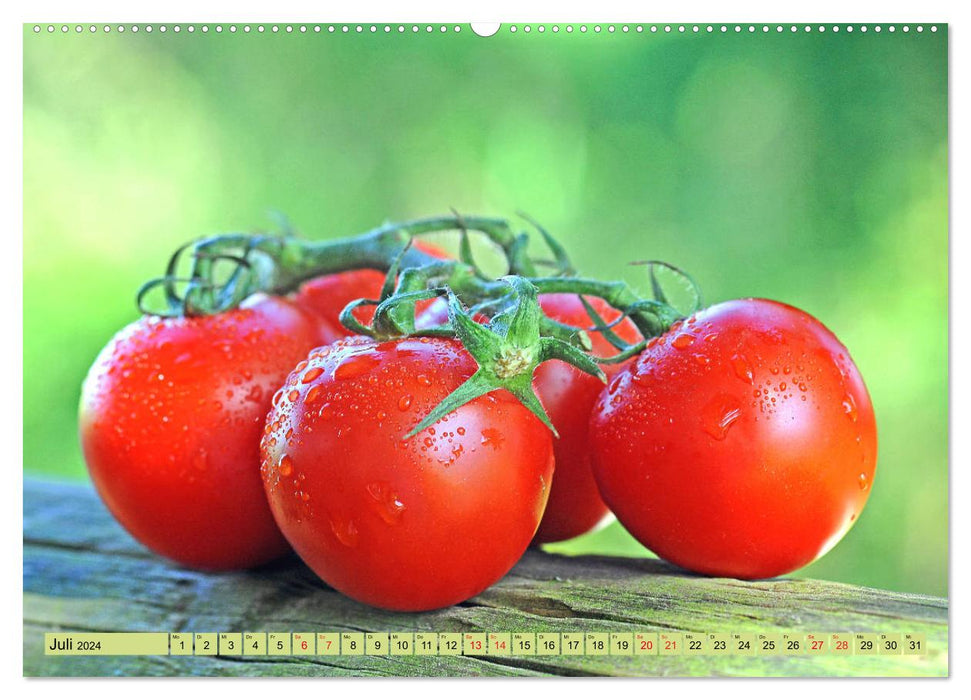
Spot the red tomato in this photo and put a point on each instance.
(741, 443)
(171, 417)
(568, 395)
(405, 524)
(326, 296)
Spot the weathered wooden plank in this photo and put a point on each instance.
(83, 573)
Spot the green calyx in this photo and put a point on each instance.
(507, 350)
(498, 321)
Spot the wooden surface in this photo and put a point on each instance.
(83, 573)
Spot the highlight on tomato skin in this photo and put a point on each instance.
(170, 420)
(403, 524)
(741, 443)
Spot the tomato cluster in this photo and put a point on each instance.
(740, 441)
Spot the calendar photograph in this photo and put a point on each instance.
(485, 350)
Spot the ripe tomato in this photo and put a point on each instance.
(327, 295)
(741, 443)
(170, 421)
(568, 395)
(405, 524)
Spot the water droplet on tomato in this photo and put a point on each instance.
(491, 437)
(286, 466)
(386, 502)
(849, 407)
(742, 369)
(460, 430)
(345, 531)
(293, 395)
(864, 482)
(312, 373)
(314, 394)
(682, 341)
(719, 415)
(423, 380)
(404, 403)
(356, 366)
(782, 386)
(301, 366)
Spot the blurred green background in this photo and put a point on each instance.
(810, 168)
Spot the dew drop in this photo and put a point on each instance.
(682, 341)
(404, 403)
(491, 437)
(719, 415)
(386, 503)
(423, 380)
(311, 374)
(742, 369)
(460, 430)
(286, 466)
(314, 394)
(293, 395)
(356, 366)
(345, 531)
(849, 407)
(864, 482)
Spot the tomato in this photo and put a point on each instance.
(404, 524)
(170, 423)
(742, 443)
(568, 395)
(326, 296)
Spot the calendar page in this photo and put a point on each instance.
(514, 349)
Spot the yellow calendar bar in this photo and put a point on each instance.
(106, 644)
(585, 643)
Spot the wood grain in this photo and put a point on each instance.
(83, 573)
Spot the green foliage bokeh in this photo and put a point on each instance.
(809, 168)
